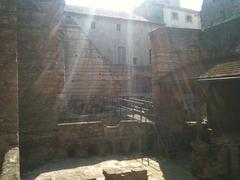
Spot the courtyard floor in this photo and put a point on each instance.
(85, 169)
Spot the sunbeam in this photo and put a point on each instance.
(127, 5)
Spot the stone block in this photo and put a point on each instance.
(10, 168)
(125, 173)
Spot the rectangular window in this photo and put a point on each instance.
(121, 55)
(93, 25)
(175, 16)
(135, 61)
(150, 56)
(189, 19)
(118, 27)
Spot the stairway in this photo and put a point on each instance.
(166, 140)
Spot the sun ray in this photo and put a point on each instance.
(127, 5)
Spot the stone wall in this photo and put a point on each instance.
(10, 168)
(8, 90)
(176, 55)
(222, 42)
(141, 80)
(172, 49)
(97, 138)
(216, 12)
(41, 78)
(223, 111)
(88, 79)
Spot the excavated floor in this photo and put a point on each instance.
(86, 169)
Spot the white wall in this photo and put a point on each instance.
(134, 35)
(181, 22)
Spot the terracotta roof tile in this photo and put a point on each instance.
(228, 69)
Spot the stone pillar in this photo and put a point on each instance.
(41, 78)
(8, 90)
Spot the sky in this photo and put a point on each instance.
(127, 5)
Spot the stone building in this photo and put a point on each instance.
(153, 9)
(169, 13)
(89, 79)
(181, 17)
(93, 71)
(125, 35)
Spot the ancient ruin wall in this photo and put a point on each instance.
(172, 49)
(40, 75)
(88, 79)
(96, 138)
(175, 53)
(8, 92)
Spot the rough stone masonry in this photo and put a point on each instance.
(8, 91)
(40, 78)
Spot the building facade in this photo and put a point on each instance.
(181, 17)
(169, 13)
(120, 38)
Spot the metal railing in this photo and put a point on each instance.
(135, 108)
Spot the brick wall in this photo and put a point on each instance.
(88, 79)
(41, 75)
(172, 49)
(8, 88)
(176, 53)
(126, 137)
(141, 80)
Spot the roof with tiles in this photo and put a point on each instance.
(104, 13)
(224, 70)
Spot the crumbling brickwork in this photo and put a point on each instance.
(88, 79)
(96, 138)
(40, 75)
(176, 53)
(8, 89)
(172, 49)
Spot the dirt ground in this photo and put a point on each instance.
(85, 169)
